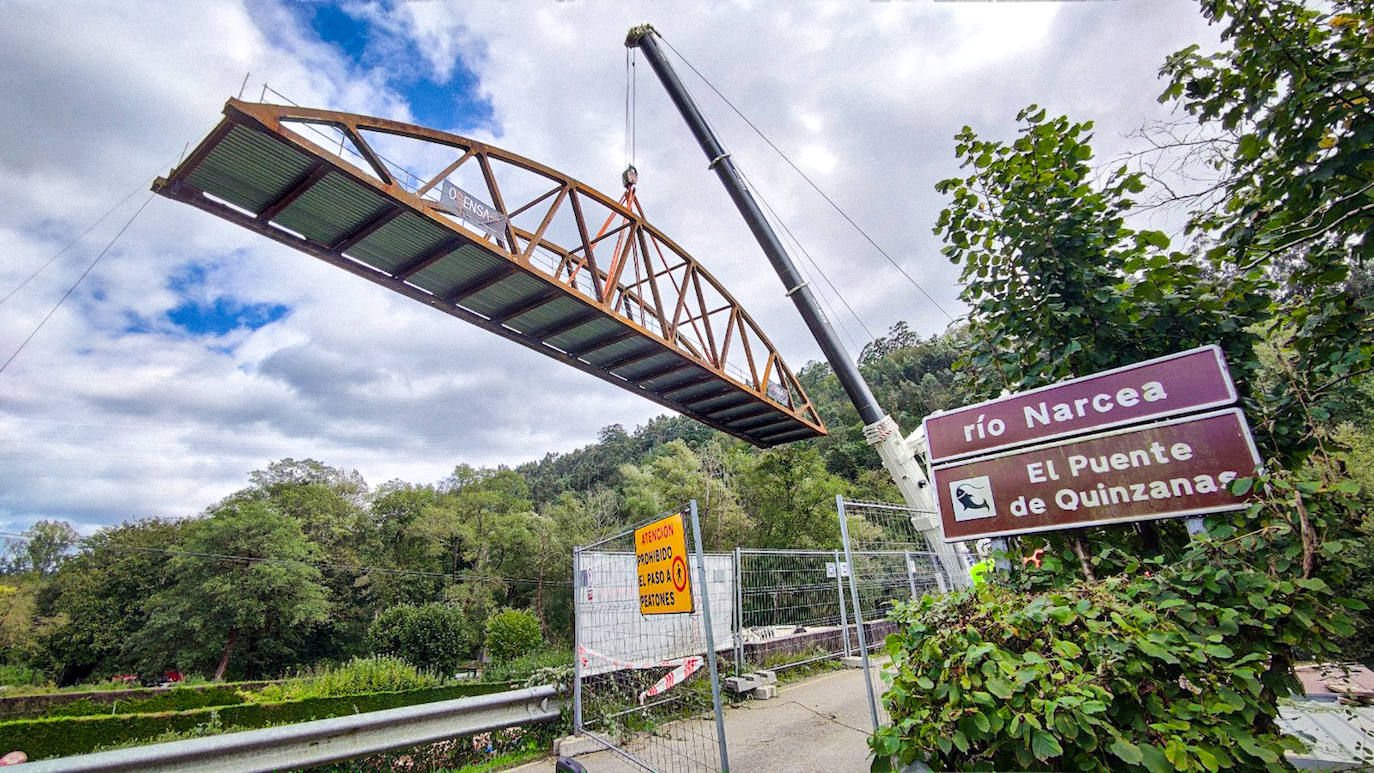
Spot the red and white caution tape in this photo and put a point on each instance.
(677, 676)
(682, 669)
(587, 653)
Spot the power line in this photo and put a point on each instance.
(72, 244)
(809, 181)
(78, 281)
(777, 218)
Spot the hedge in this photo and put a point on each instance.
(64, 736)
(178, 698)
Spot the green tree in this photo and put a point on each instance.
(911, 377)
(676, 475)
(242, 574)
(478, 533)
(429, 636)
(394, 509)
(510, 634)
(327, 502)
(1060, 286)
(790, 498)
(1290, 98)
(99, 599)
(19, 623)
(572, 519)
(329, 505)
(1057, 284)
(45, 545)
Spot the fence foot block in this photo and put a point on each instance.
(575, 745)
(853, 661)
(765, 692)
(766, 677)
(741, 684)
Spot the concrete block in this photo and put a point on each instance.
(765, 677)
(853, 661)
(741, 684)
(765, 692)
(573, 745)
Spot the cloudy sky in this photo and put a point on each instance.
(194, 352)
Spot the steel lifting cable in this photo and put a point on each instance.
(800, 248)
(629, 98)
(782, 225)
(634, 105)
(78, 281)
(809, 181)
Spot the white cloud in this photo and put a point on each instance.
(103, 424)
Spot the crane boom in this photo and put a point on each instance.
(880, 430)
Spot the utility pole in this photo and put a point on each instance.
(880, 430)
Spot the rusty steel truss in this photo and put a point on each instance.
(505, 243)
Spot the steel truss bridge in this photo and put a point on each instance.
(505, 243)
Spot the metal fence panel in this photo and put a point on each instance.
(647, 686)
(791, 608)
(890, 561)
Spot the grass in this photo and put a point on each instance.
(781, 663)
(499, 762)
(547, 665)
(497, 750)
(22, 676)
(379, 673)
(47, 687)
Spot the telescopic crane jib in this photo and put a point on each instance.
(880, 430)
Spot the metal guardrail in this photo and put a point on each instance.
(323, 740)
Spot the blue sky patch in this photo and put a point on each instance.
(224, 315)
(454, 104)
(198, 315)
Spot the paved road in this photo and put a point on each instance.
(818, 724)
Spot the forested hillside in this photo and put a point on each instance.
(295, 568)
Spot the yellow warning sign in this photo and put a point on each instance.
(661, 557)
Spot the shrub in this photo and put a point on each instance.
(1173, 669)
(178, 699)
(21, 676)
(61, 736)
(512, 633)
(434, 636)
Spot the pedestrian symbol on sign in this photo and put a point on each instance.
(679, 573)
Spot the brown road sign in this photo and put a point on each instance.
(1167, 469)
(1194, 380)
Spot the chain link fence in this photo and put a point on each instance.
(647, 686)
